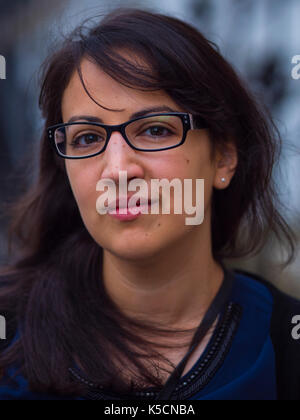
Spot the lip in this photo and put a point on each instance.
(130, 213)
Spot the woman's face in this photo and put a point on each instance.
(149, 234)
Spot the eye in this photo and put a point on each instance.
(157, 131)
(87, 139)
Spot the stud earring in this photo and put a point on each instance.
(223, 179)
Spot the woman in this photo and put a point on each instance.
(139, 305)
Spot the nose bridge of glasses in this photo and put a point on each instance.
(113, 132)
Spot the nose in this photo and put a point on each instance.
(119, 156)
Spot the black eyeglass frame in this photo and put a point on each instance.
(186, 118)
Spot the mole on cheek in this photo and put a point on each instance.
(187, 161)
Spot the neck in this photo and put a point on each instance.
(174, 288)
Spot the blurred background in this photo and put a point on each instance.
(259, 37)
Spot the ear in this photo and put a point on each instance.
(225, 163)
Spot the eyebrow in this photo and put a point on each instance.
(141, 113)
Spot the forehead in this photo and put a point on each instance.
(108, 93)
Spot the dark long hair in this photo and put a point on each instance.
(53, 290)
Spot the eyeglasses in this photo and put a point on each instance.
(153, 133)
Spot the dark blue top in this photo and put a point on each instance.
(238, 363)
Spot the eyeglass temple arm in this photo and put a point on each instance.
(192, 122)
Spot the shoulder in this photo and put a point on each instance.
(12, 383)
(253, 287)
(14, 387)
(254, 296)
(283, 306)
(284, 329)
(8, 313)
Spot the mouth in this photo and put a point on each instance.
(142, 206)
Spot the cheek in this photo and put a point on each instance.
(174, 165)
(197, 165)
(83, 183)
(188, 166)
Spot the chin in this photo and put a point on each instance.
(134, 251)
(135, 242)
